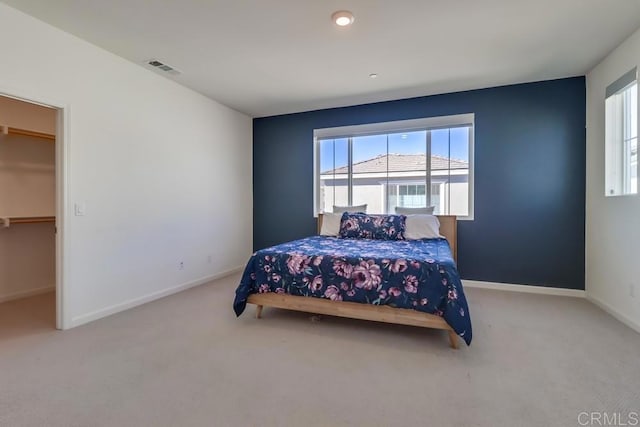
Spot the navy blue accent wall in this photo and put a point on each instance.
(529, 177)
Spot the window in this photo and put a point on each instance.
(621, 136)
(413, 163)
(408, 195)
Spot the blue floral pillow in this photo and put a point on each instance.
(379, 227)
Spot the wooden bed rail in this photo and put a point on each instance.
(352, 310)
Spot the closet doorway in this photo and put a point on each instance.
(30, 216)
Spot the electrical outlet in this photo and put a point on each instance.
(181, 265)
(209, 259)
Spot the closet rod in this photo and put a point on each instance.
(8, 221)
(24, 132)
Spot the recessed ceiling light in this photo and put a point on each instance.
(373, 76)
(343, 18)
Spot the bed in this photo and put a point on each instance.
(412, 283)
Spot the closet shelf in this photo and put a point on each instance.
(8, 221)
(24, 132)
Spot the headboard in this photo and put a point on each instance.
(448, 228)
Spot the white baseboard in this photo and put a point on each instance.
(615, 313)
(28, 293)
(116, 308)
(545, 290)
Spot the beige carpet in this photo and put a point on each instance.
(187, 361)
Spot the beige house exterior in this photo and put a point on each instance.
(391, 180)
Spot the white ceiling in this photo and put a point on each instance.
(281, 56)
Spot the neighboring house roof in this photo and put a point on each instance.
(401, 163)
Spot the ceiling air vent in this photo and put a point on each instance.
(164, 67)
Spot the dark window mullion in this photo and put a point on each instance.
(449, 174)
(387, 206)
(334, 174)
(350, 172)
(428, 168)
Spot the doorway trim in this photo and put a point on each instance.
(62, 185)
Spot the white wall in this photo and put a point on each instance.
(341, 197)
(165, 172)
(371, 195)
(459, 193)
(613, 224)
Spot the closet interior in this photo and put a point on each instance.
(27, 203)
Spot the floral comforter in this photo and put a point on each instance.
(415, 274)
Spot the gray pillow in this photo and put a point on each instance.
(414, 211)
(358, 208)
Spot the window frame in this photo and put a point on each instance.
(427, 123)
(617, 159)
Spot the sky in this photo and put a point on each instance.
(368, 147)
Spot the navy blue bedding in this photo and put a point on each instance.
(415, 274)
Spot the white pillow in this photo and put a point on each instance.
(413, 211)
(422, 226)
(341, 209)
(330, 224)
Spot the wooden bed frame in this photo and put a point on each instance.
(377, 313)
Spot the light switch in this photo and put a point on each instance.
(81, 208)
